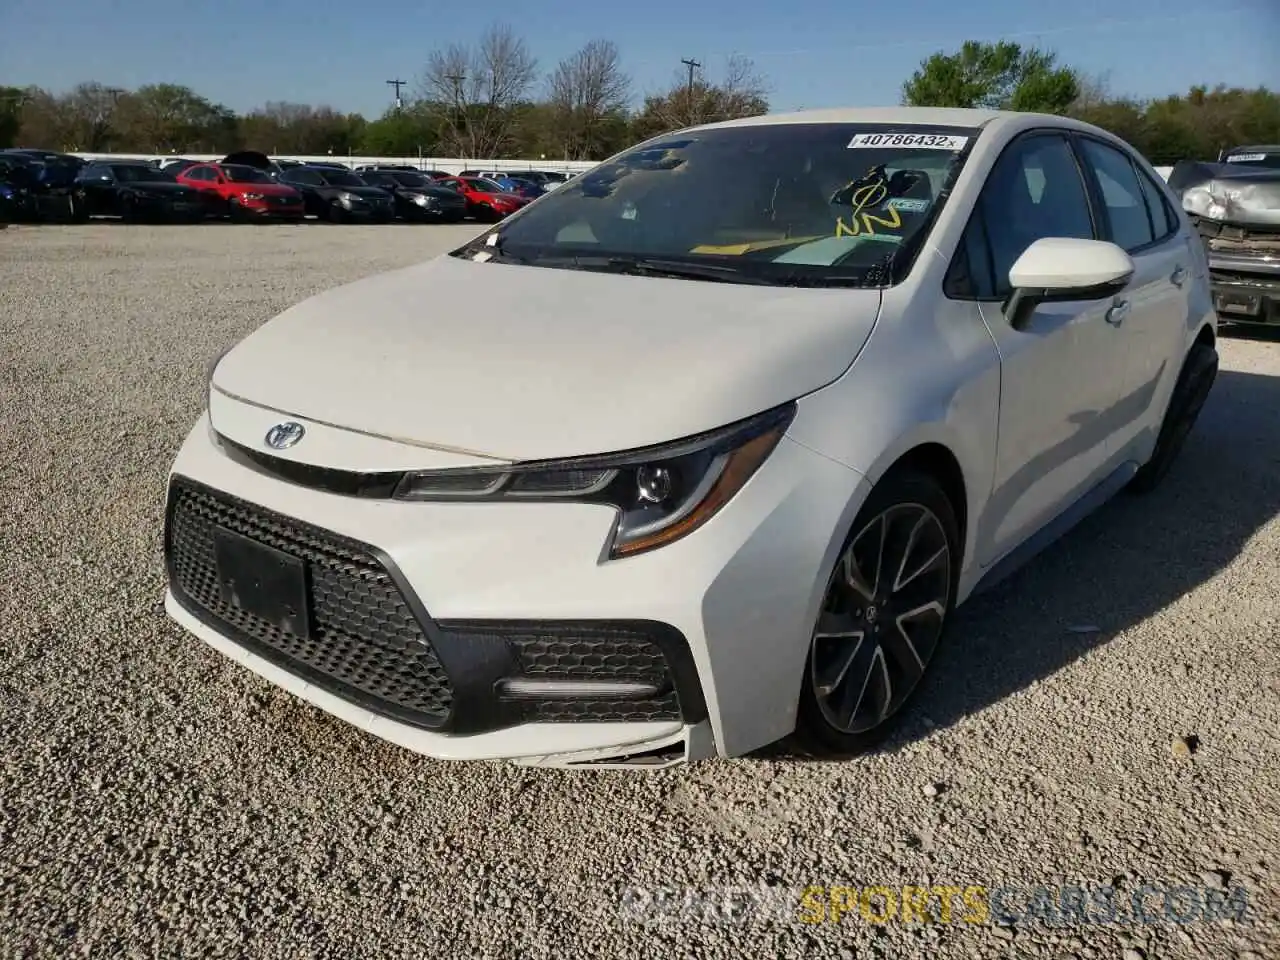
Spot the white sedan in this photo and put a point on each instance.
(701, 450)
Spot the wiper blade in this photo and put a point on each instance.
(657, 267)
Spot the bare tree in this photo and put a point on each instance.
(477, 91)
(585, 92)
(741, 92)
(87, 114)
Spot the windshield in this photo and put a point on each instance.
(238, 174)
(338, 178)
(773, 201)
(137, 173)
(406, 179)
(483, 186)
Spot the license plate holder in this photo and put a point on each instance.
(262, 581)
(1244, 304)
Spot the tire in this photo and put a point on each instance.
(77, 209)
(909, 523)
(1195, 381)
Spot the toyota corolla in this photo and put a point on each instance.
(742, 416)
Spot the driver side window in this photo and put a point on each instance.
(1034, 191)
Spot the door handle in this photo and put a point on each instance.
(1117, 312)
(1178, 276)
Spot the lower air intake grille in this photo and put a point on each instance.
(364, 645)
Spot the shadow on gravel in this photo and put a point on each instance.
(1119, 567)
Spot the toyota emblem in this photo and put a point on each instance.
(284, 435)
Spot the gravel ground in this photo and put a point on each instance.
(156, 798)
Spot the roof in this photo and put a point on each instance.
(932, 116)
(923, 116)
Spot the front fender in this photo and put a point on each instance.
(924, 377)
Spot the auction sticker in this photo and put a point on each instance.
(915, 141)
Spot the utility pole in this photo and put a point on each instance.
(692, 65)
(397, 84)
(457, 79)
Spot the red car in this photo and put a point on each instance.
(485, 199)
(242, 192)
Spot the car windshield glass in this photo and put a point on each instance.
(483, 186)
(407, 179)
(810, 202)
(135, 173)
(337, 178)
(238, 174)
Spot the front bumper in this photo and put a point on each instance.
(438, 604)
(276, 211)
(1245, 291)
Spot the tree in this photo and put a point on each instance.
(401, 133)
(995, 76)
(741, 92)
(88, 113)
(12, 101)
(588, 94)
(169, 118)
(477, 91)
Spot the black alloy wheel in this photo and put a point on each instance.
(886, 608)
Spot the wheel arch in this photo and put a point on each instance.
(936, 461)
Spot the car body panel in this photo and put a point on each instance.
(448, 550)
(734, 361)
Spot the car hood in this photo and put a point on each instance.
(1233, 193)
(371, 192)
(525, 363)
(158, 186)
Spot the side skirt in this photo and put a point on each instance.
(1056, 528)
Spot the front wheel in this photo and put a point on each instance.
(1189, 394)
(887, 605)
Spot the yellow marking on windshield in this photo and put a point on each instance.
(737, 249)
(870, 195)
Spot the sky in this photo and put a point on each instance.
(816, 53)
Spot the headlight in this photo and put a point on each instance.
(251, 196)
(422, 200)
(349, 198)
(661, 493)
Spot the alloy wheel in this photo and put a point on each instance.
(881, 620)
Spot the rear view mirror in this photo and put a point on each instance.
(1054, 269)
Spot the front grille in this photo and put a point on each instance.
(366, 645)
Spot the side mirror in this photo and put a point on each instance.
(1055, 269)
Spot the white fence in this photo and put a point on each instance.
(449, 164)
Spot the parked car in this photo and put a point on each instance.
(135, 191)
(339, 195)
(1235, 206)
(418, 197)
(485, 199)
(243, 192)
(1256, 155)
(548, 181)
(704, 448)
(47, 181)
(17, 200)
(525, 188)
